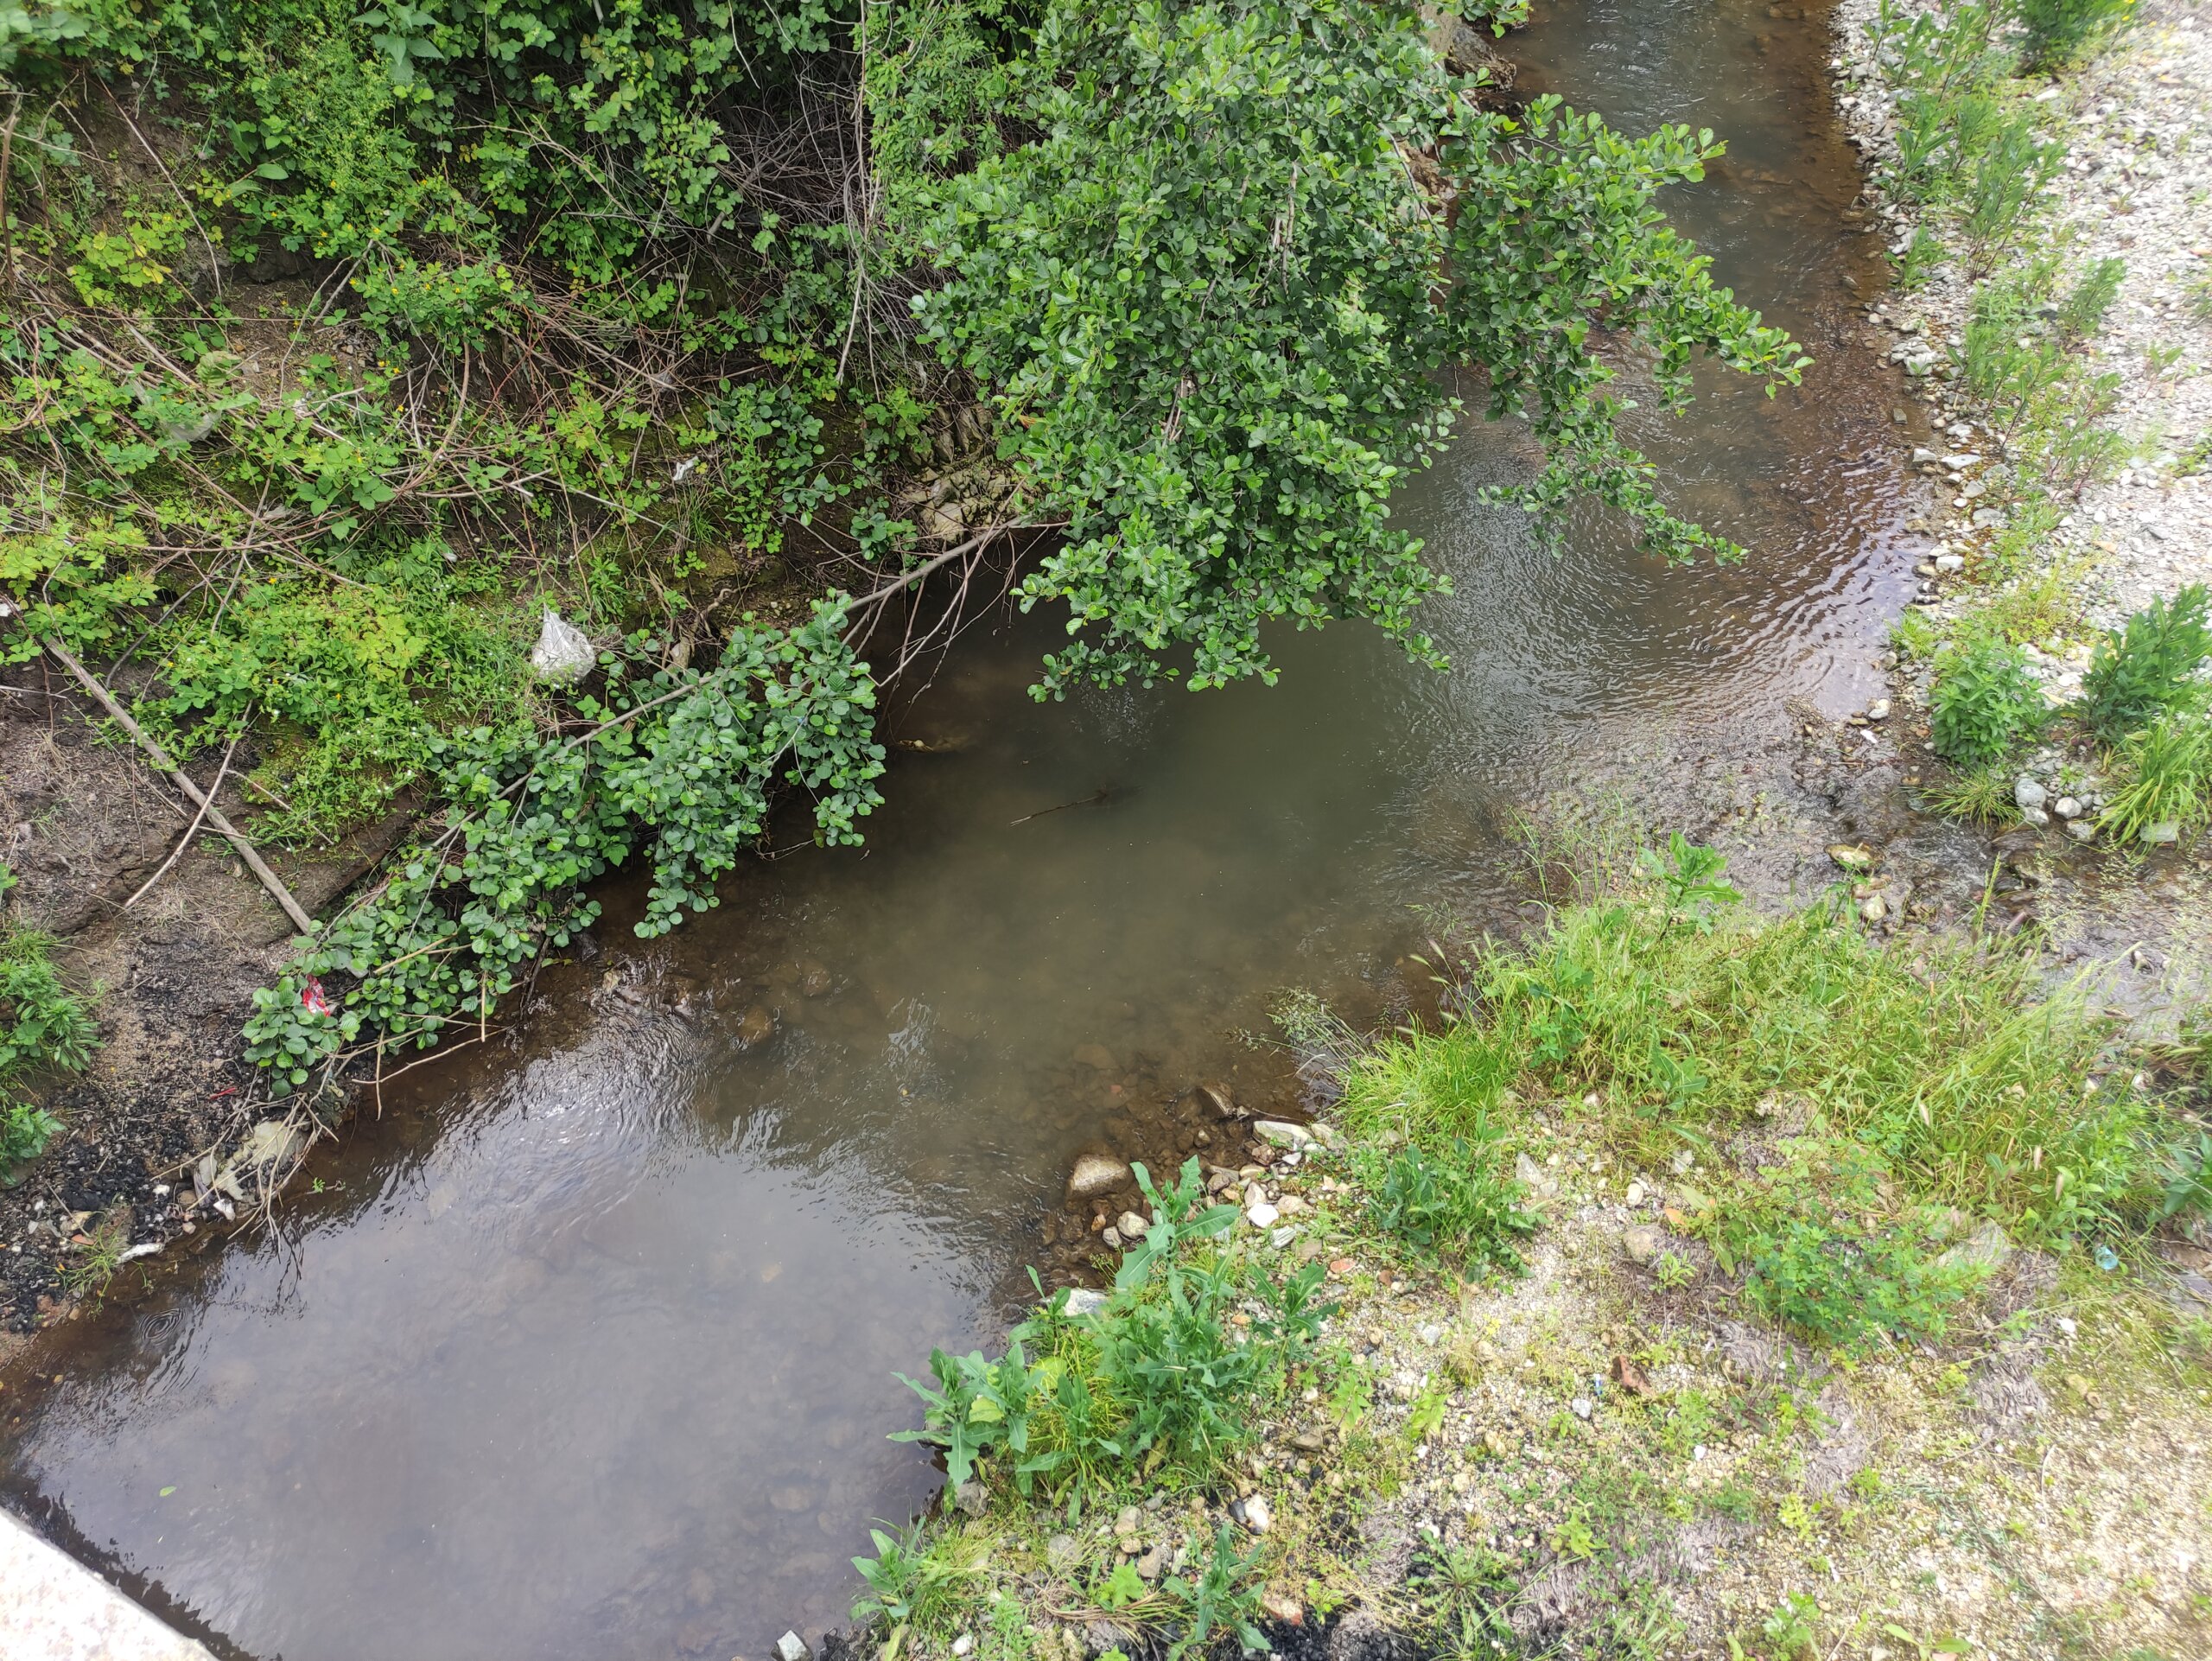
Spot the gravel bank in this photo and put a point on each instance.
(2138, 126)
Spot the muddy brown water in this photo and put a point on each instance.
(585, 1347)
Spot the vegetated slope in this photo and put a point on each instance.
(343, 343)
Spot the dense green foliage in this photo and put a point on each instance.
(45, 1029)
(677, 760)
(1209, 300)
(2148, 667)
(342, 341)
(1984, 700)
(1157, 1381)
(1453, 1203)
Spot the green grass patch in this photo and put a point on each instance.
(1946, 1062)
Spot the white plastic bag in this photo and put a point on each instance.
(563, 654)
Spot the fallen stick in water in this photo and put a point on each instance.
(1087, 801)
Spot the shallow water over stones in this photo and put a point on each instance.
(585, 1347)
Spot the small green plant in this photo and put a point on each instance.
(2189, 1189)
(2168, 769)
(45, 1029)
(1453, 1203)
(1161, 1377)
(1429, 1409)
(24, 1132)
(2005, 179)
(1922, 258)
(913, 1580)
(1984, 796)
(1223, 1597)
(1794, 1627)
(2149, 666)
(1673, 1271)
(1689, 878)
(1985, 702)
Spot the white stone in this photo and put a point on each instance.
(1282, 1133)
(2026, 792)
(1262, 1215)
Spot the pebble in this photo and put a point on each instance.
(791, 1647)
(1132, 1227)
(1644, 1244)
(1283, 1236)
(1947, 563)
(964, 1645)
(1583, 1406)
(1878, 709)
(1635, 1193)
(1875, 908)
(1085, 1301)
(2066, 808)
(2082, 830)
(1262, 1215)
(1282, 1133)
(1252, 1511)
(1112, 1237)
(2027, 792)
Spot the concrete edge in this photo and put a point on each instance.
(52, 1608)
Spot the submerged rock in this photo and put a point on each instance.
(1096, 1174)
(791, 1647)
(1216, 1100)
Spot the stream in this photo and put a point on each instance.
(583, 1345)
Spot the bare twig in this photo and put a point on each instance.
(192, 830)
(160, 758)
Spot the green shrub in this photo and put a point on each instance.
(2055, 31)
(1159, 1380)
(2148, 667)
(2004, 179)
(1454, 1203)
(1985, 702)
(2168, 772)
